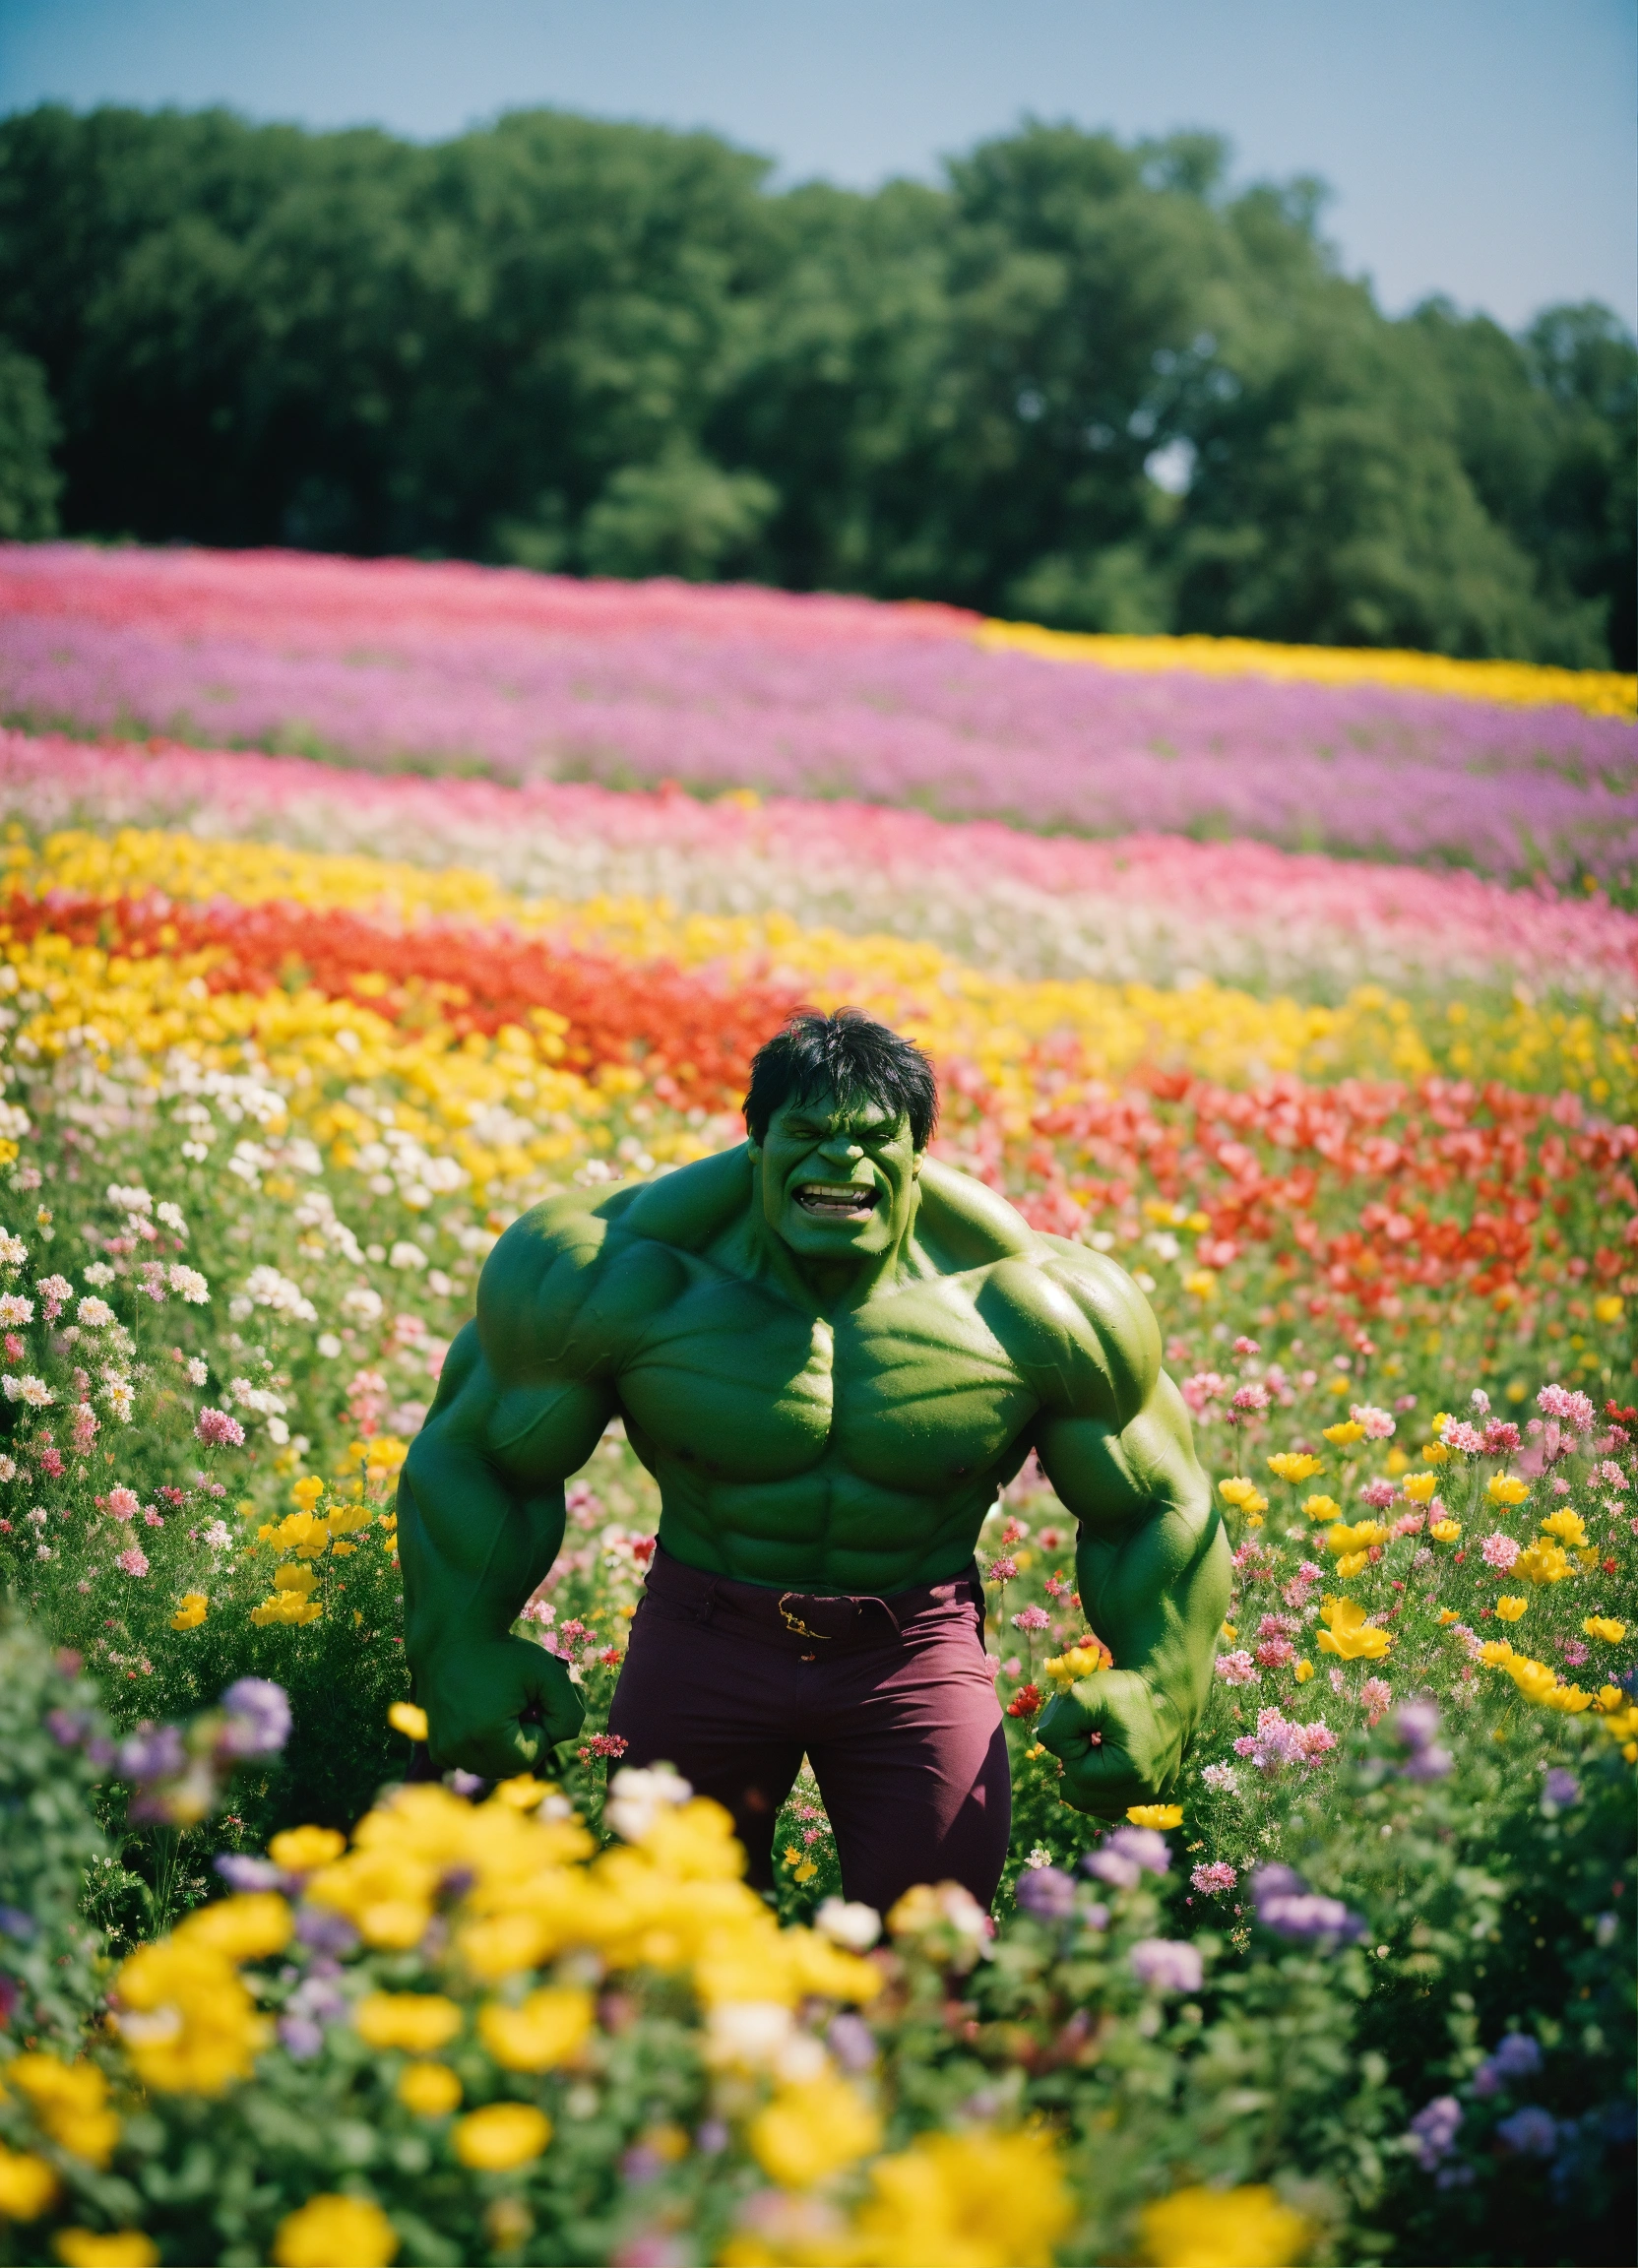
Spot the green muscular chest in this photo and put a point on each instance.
(912, 1392)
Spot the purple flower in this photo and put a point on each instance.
(1435, 2127)
(240, 1871)
(258, 1717)
(151, 1752)
(1129, 1853)
(1518, 2055)
(1418, 1722)
(852, 2042)
(1167, 1965)
(1531, 2132)
(1285, 1905)
(323, 1931)
(1561, 1788)
(301, 2038)
(1046, 1892)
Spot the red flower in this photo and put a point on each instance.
(1025, 1702)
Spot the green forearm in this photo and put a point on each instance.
(472, 1549)
(1157, 1598)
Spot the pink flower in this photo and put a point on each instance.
(1275, 1653)
(56, 1292)
(1244, 1345)
(1378, 1426)
(1277, 1741)
(1464, 1437)
(124, 1504)
(1032, 1619)
(1276, 1626)
(51, 1463)
(1000, 1571)
(1251, 1398)
(133, 1561)
(1375, 1698)
(1409, 1524)
(1555, 1401)
(1213, 1879)
(218, 1430)
(1204, 1388)
(1378, 1494)
(85, 1428)
(1498, 1551)
(1611, 1475)
(1237, 1668)
(1501, 1439)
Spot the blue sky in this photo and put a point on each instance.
(1484, 147)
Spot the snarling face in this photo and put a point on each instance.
(838, 1179)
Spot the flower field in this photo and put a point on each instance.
(287, 1047)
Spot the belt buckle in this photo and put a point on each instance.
(794, 1622)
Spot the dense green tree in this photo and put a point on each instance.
(1082, 381)
(29, 479)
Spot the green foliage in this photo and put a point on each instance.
(612, 349)
(50, 1842)
(28, 433)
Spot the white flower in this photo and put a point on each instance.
(363, 1303)
(190, 1285)
(38, 1517)
(266, 1288)
(748, 2034)
(849, 1923)
(43, 1551)
(15, 1311)
(100, 1274)
(328, 1345)
(8, 1469)
(406, 1255)
(94, 1313)
(171, 1215)
(14, 1122)
(117, 1394)
(33, 1391)
(636, 1799)
(13, 1250)
(197, 1370)
(134, 1199)
(248, 1162)
(217, 1536)
(1221, 1777)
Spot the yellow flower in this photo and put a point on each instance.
(1321, 1508)
(419, 2022)
(28, 2187)
(191, 1610)
(1201, 1284)
(982, 2199)
(1294, 1465)
(1349, 1634)
(501, 2136)
(1567, 1527)
(1359, 1537)
(1303, 1672)
(188, 2024)
(1435, 1453)
(1080, 1661)
(70, 2101)
(524, 1793)
(1222, 2228)
(1156, 1814)
(429, 2090)
(1230, 1631)
(1506, 1489)
(298, 1532)
(810, 2131)
(1605, 1626)
(1347, 1433)
(1421, 1487)
(307, 1490)
(403, 1717)
(335, 2232)
(1609, 1308)
(1353, 1563)
(546, 2031)
(1445, 1531)
(347, 1519)
(286, 1603)
(243, 1928)
(1245, 1493)
(1448, 1614)
(115, 2249)
(1544, 1563)
(298, 1849)
(1510, 1608)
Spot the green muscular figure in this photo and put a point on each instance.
(832, 1353)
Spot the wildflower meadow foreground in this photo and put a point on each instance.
(288, 1047)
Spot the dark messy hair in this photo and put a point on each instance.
(850, 1055)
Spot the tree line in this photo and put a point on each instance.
(1078, 381)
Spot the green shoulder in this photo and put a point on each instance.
(1082, 1322)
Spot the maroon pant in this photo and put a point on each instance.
(892, 1699)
